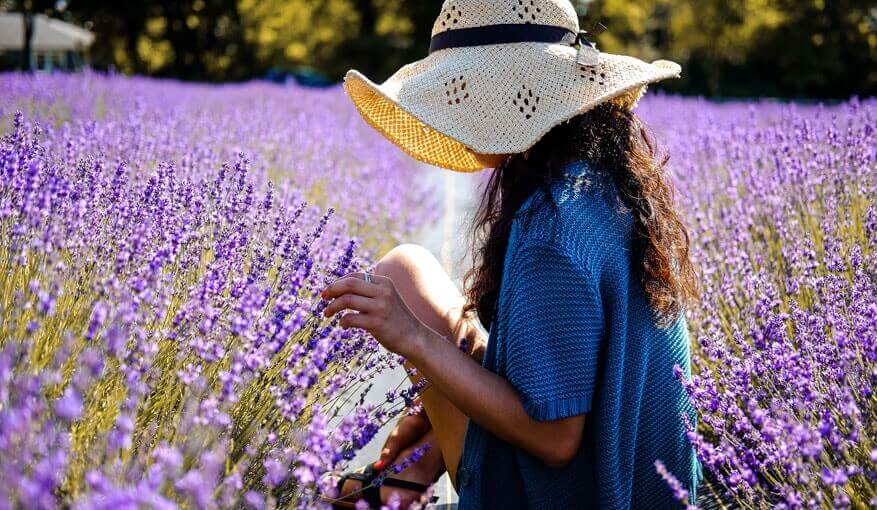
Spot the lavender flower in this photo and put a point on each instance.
(679, 492)
(780, 204)
(161, 339)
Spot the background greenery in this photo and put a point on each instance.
(782, 48)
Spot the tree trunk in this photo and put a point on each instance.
(368, 18)
(26, 47)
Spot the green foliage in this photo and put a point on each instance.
(786, 48)
(191, 39)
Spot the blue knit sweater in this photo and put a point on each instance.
(574, 334)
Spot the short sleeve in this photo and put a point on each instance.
(555, 327)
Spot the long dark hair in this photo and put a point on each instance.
(612, 138)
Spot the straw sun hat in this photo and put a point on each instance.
(499, 76)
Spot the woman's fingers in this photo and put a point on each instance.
(354, 283)
(350, 302)
(382, 311)
(357, 320)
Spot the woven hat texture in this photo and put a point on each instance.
(498, 98)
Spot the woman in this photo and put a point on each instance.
(582, 273)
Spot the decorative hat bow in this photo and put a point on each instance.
(588, 54)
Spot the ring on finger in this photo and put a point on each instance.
(368, 277)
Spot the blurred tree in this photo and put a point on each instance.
(823, 48)
(30, 8)
(191, 39)
(295, 33)
(788, 48)
(334, 35)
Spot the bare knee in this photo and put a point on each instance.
(423, 284)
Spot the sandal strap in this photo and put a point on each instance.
(405, 484)
(359, 477)
(371, 493)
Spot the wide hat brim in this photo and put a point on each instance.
(494, 99)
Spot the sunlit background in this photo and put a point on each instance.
(729, 48)
(163, 244)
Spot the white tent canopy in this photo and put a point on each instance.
(49, 34)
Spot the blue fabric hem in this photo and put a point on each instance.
(558, 409)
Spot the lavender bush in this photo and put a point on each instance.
(310, 143)
(161, 343)
(782, 202)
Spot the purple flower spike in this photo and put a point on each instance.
(779, 201)
(164, 246)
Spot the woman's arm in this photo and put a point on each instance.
(488, 399)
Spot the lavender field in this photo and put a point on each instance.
(162, 246)
(782, 203)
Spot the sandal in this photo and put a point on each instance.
(370, 492)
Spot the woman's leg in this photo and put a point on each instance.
(435, 300)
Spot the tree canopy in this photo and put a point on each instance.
(784, 48)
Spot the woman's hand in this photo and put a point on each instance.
(377, 308)
(485, 397)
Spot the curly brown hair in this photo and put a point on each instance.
(612, 138)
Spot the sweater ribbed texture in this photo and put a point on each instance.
(574, 334)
